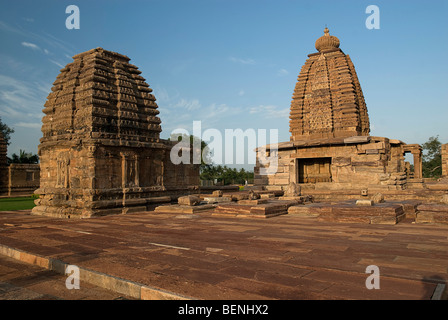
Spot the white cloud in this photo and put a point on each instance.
(282, 72)
(35, 125)
(241, 93)
(242, 61)
(270, 111)
(20, 99)
(56, 63)
(188, 104)
(44, 37)
(30, 45)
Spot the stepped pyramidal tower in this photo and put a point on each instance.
(328, 100)
(330, 147)
(101, 151)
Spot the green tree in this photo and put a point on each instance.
(226, 175)
(24, 157)
(432, 158)
(6, 131)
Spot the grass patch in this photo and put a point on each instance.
(19, 203)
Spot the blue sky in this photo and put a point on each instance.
(232, 64)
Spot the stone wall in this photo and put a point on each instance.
(99, 180)
(23, 179)
(339, 164)
(444, 152)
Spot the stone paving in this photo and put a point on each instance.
(201, 256)
(23, 281)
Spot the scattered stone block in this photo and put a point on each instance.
(240, 196)
(378, 198)
(188, 200)
(217, 193)
(267, 196)
(364, 202)
(217, 199)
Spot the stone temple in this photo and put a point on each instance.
(330, 146)
(101, 151)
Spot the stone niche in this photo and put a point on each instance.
(101, 152)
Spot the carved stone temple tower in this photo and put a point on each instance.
(330, 147)
(328, 100)
(101, 152)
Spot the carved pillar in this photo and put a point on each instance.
(418, 163)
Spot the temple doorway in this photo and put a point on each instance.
(312, 170)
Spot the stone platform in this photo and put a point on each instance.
(432, 213)
(176, 208)
(391, 212)
(259, 208)
(381, 213)
(149, 255)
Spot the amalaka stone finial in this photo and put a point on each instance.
(327, 42)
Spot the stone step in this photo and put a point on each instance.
(432, 213)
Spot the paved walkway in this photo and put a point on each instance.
(166, 255)
(23, 281)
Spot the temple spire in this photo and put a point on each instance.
(327, 42)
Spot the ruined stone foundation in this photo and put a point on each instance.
(100, 152)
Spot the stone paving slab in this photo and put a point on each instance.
(25, 281)
(160, 255)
